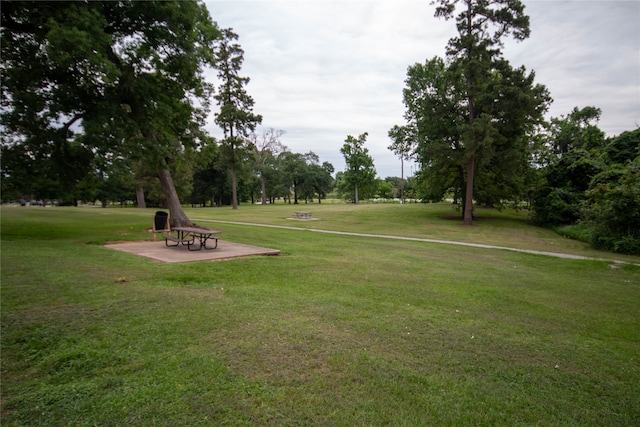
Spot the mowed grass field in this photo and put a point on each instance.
(339, 330)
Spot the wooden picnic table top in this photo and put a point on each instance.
(195, 230)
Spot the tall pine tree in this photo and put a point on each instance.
(236, 117)
(476, 56)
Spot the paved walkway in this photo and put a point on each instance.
(417, 239)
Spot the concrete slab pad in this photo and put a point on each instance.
(160, 252)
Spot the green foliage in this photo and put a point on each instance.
(359, 179)
(236, 117)
(622, 148)
(265, 149)
(578, 231)
(402, 141)
(432, 91)
(303, 174)
(470, 117)
(385, 189)
(397, 184)
(318, 181)
(106, 81)
(613, 211)
(555, 206)
(493, 105)
(592, 180)
(575, 145)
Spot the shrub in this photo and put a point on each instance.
(613, 212)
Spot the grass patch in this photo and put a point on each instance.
(343, 330)
(576, 231)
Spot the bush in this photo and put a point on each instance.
(555, 206)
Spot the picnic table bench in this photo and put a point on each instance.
(302, 215)
(192, 237)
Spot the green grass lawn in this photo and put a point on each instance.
(338, 330)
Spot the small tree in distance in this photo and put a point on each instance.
(402, 146)
(266, 148)
(360, 173)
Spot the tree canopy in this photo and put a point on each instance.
(87, 80)
(590, 182)
(360, 175)
(484, 106)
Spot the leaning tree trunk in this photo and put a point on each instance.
(177, 217)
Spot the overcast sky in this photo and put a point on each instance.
(321, 70)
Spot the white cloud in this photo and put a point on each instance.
(322, 70)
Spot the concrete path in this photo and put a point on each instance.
(417, 239)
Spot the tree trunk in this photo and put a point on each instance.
(468, 205)
(471, 164)
(177, 217)
(402, 179)
(140, 197)
(263, 188)
(234, 186)
(357, 200)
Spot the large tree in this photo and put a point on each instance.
(124, 75)
(236, 117)
(435, 114)
(437, 119)
(360, 175)
(475, 56)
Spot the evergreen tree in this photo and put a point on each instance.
(475, 56)
(236, 117)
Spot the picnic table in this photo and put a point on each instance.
(192, 236)
(302, 215)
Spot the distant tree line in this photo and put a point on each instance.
(268, 171)
(106, 101)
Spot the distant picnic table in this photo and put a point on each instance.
(192, 237)
(302, 215)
